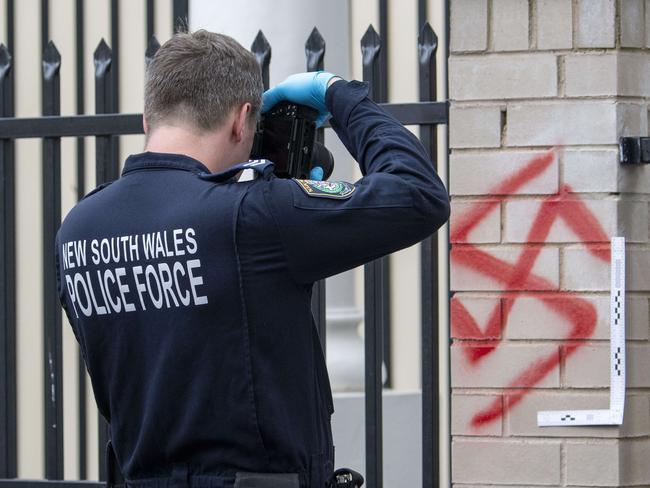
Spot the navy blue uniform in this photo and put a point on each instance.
(189, 294)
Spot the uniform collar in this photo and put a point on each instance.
(154, 160)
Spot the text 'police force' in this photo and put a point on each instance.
(128, 288)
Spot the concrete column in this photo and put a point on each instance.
(344, 343)
(287, 25)
(541, 91)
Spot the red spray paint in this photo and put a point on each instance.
(518, 280)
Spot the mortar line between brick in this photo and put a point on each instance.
(503, 121)
(574, 23)
(505, 426)
(562, 366)
(561, 76)
(513, 440)
(560, 169)
(644, 6)
(493, 391)
(588, 439)
(547, 52)
(490, 34)
(550, 100)
(503, 226)
(533, 149)
(617, 24)
(497, 294)
(560, 268)
(529, 294)
(532, 25)
(538, 341)
(563, 464)
(540, 148)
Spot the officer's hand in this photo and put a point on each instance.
(303, 88)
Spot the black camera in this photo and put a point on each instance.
(286, 135)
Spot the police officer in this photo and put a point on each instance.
(189, 290)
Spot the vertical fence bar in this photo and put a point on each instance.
(380, 94)
(103, 58)
(8, 436)
(81, 191)
(8, 440)
(427, 47)
(447, 282)
(52, 334)
(180, 15)
(45, 23)
(370, 49)
(422, 13)
(115, 45)
(10, 29)
(381, 281)
(382, 83)
(151, 16)
(114, 106)
(261, 49)
(315, 53)
(80, 92)
(105, 171)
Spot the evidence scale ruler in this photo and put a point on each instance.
(614, 415)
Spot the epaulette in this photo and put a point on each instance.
(262, 167)
(99, 188)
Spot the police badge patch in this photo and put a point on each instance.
(326, 189)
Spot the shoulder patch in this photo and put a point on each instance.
(327, 189)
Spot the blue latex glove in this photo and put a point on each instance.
(303, 88)
(316, 173)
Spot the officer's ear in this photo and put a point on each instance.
(145, 126)
(240, 123)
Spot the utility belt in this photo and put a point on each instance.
(342, 478)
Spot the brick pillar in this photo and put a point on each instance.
(540, 92)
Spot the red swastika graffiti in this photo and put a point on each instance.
(517, 280)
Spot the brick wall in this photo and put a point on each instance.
(540, 91)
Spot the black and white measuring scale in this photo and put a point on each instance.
(613, 415)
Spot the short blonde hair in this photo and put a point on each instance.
(199, 78)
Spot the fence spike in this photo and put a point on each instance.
(427, 42)
(102, 58)
(51, 61)
(152, 48)
(5, 61)
(370, 45)
(261, 49)
(427, 47)
(370, 49)
(315, 50)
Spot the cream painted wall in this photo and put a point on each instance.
(28, 252)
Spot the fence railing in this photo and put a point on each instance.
(106, 126)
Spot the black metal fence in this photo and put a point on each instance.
(106, 126)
